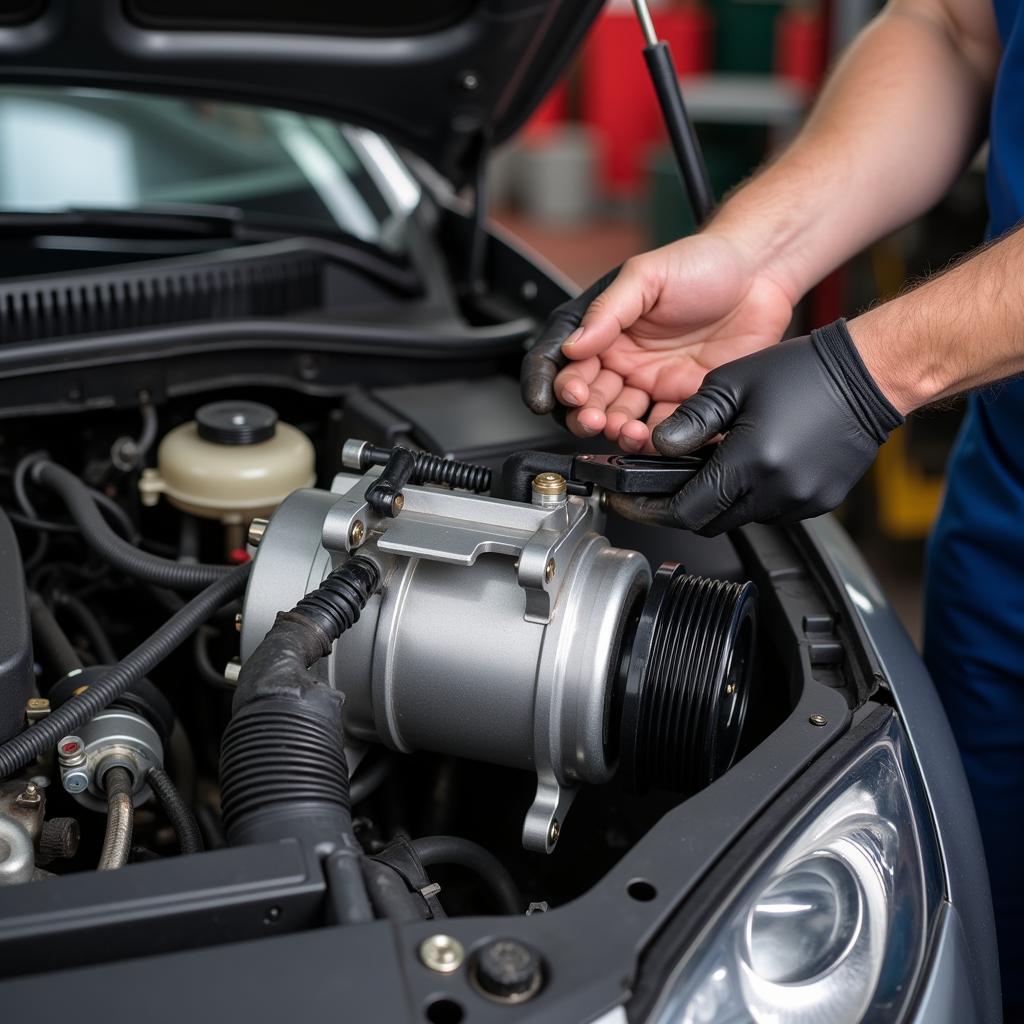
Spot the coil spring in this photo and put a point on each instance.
(464, 476)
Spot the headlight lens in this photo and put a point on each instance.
(831, 926)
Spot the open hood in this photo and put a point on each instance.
(444, 77)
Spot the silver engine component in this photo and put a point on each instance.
(22, 806)
(115, 738)
(496, 636)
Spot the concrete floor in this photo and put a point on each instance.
(587, 251)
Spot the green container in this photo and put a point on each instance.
(732, 152)
(745, 34)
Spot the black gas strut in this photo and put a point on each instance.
(689, 157)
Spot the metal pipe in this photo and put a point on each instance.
(643, 14)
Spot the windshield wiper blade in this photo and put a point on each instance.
(172, 220)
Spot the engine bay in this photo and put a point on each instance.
(508, 661)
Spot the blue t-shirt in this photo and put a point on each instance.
(974, 621)
(1006, 129)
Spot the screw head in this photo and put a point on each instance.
(442, 953)
(549, 571)
(508, 971)
(238, 622)
(818, 720)
(356, 533)
(398, 503)
(554, 832)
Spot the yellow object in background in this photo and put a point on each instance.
(907, 498)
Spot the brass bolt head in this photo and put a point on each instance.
(356, 533)
(818, 720)
(238, 622)
(399, 503)
(549, 570)
(554, 832)
(442, 953)
(36, 708)
(549, 483)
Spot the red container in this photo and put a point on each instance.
(800, 47)
(552, 112)
(617, 98)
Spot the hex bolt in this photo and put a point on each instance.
(508, 971)
(30, 796)
(398, 503)
(442, 953)
(257, 528)
(356, 533)
(238, 622)
(232, 670)
(818, 720)
(554, 832)
(549, 571)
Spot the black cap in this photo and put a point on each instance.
(236, 422)
(508, 970)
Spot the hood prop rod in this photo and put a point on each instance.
(665, 78)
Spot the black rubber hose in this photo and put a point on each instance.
(186, 828)
(390, 895)
(117, 840)
(118, 552)
(283, 772)
(24, 748)
(465, 853)
(51, 642)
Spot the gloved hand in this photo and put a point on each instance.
(545, 358)
(620, 357)
(803, 422)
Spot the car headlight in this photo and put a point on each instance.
(831, 924)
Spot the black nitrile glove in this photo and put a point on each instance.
(804, 420)
(544, 358)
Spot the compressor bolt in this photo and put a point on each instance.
(257, 528)
(549, 571)
(442, 953)
(356, 534)
(818, 720)
(508, 971)
(549, 489)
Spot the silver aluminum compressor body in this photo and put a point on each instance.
(496, 635)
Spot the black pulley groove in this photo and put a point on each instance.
(685, 681)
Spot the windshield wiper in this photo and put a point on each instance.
(172, 221)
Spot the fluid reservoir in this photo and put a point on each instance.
(233, 462)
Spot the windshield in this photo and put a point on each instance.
(62, 148)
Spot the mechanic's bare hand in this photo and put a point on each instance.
(626, 351)
(802, 420)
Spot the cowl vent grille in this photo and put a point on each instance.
(265, 280)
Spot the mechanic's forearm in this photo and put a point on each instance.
(961, 329)
(893, 128)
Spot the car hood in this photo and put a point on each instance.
(446, 78)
